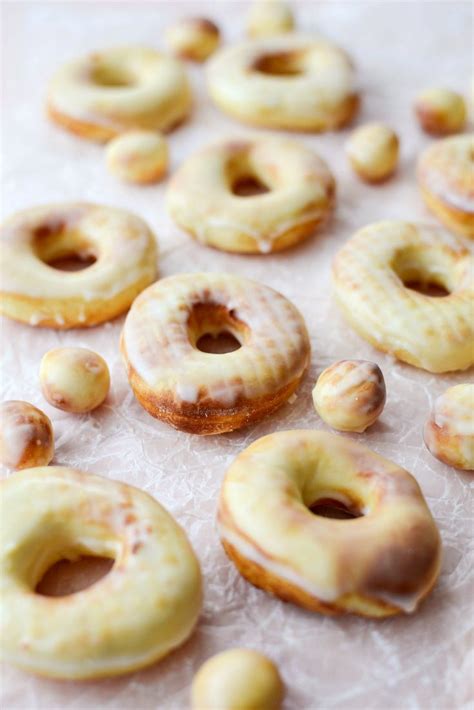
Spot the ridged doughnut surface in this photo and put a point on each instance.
(119, 243)
(379, 564)
(446, 180)
(292, 81)
(143, 608)
(369, 276)
(449, 431)
(205, 199)
(108, 92)
(209, 393)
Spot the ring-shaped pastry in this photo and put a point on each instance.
(372, 275)
(120, 245)
(207, 196)
(295, 82)
(205, 392)
(146, 605)
(105, 93)
(446, 179)
(378, 564)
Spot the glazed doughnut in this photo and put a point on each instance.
(379, 564)
(373, 151)
(449, 431)
(445, 179)
(269, 17)
(350, 395)
(441, 111)
(74, 379)
(369, 276)
(147, 604)
(120, 243)
(105, 93)
(237, 679)
(209, 393)
(194, 38)
(293, 81)
(207, 196)
(26, 436)
(138, 156)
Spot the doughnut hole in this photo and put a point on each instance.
(373, 151)
(138, 156)
(269, 17)
(213, 328)
(194, 38)
(449, 430)
(441, 112)
(74, 379)
(427, 272)
(26, 436)
(110, 75)
(280, 64)
(58, 245)
(68, 576)
(246, 178)
(350, 395)
(237, 679)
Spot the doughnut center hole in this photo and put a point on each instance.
(427, 289)
(72, 262)
(62, 248)
(111, 77)
(70, 576)
(249, 186)
(279, 64)
(219, 344)
(215, 329)
(331, 508)
(426, 272)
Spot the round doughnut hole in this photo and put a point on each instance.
(428, 276)
(110, 77)
(215, 329)
(331, 508)
(62, 248)
(279, 64)
(72, 262)
(249, 186)
(71, 576)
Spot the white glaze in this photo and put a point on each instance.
(122, 242)
(157, 346)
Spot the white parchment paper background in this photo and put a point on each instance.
(424, 661)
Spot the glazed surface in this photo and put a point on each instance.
(369, 276)
(292, 81)
(299, 194)
(445, 172)
(105, 93)
(148, 603)
(206, 392)
(121, 246)
(376, 565)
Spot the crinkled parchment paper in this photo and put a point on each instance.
(421, 661)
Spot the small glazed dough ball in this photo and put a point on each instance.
(449, 431)
(373, 151)
(441, 111)
(350, 395)
(238, 679)
(269, 17)
(138, 156)
(74, 379)
(193, 38)
(26, 436)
